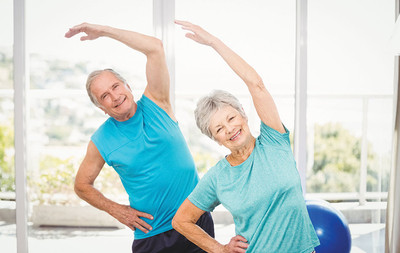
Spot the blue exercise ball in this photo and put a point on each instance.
(331, 227)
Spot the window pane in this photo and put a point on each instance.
(335, 126)
(263, 33)
(350, 87)
(7, 170)
(379, 143)
(62, 118)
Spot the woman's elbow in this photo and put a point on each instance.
(258, 82)
(176, 223)
(255, 83)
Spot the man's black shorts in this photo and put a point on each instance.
(173, 242)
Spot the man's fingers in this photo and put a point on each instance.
(190, 36)
(181, 22)
(70, 33)
(144, 215)
(75, 30)
(143, 224)
(140, 223)
(83, 38)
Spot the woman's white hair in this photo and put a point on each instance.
(211, 103)
(92, 76)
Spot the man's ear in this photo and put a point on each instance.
(129, 87)
(101, 108)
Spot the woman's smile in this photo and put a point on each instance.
(235, 136)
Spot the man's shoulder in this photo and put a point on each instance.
(105, 128)
(108, 136)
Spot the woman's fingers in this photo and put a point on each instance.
(237, 244)
(240, 238)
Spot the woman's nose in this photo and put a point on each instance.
(229, 129)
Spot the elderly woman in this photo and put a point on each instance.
(258, 182)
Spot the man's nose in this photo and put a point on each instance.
(114, 96)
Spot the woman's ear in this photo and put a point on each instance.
(219, 143)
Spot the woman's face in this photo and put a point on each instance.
(229, 128)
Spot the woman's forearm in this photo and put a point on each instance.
(237, 64)
(198, 236)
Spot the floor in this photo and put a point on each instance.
(366, 238)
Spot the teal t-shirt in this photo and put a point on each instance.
(264, 196)
(150, 154)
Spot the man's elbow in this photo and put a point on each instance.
(79, 188)
(158, 45)
(156, 48)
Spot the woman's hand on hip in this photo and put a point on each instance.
(238, 244)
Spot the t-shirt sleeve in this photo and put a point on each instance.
(270, 136)
(204, 196)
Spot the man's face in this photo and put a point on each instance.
(115, 98)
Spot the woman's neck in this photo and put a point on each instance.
(240, 155)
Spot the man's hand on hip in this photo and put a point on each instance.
(131, 217)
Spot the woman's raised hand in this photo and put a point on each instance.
(198, 34)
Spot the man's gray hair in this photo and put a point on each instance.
(92, 76)
(211, 103)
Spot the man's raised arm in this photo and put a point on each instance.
(158, 82)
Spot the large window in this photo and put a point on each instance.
(349, 96)
(350, 89)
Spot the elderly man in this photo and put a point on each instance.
(143, 143)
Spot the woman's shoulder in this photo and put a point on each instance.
(271, 137)
(218, 168)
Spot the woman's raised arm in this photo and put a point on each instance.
(262, 99)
